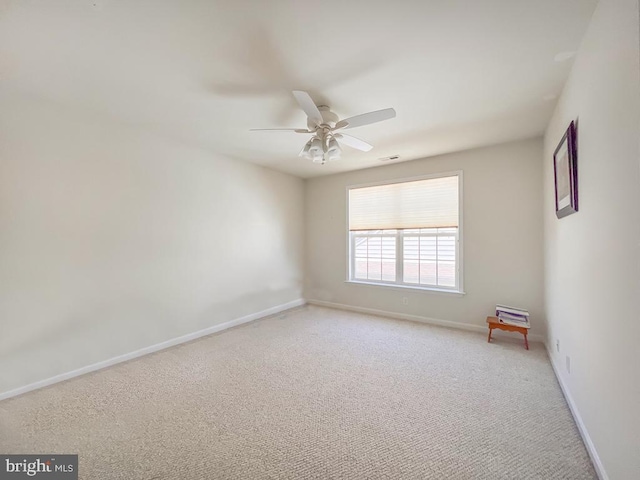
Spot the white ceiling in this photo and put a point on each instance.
(460, 74)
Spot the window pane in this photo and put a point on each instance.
(374, 269)
(389, 259)
(389, 270)
(375, 256)
(411, 248)
(428, 259)
(428, 248)
(446, 261)
(411, 260)
(360, 261)
(374, 247)
(428, 273)
(361, 269)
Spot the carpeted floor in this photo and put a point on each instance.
(313, 393)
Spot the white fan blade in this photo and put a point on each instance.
(309, 107)
(297, 130)
(353, 142)
(368, 118)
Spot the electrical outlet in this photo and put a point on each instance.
(405, 301)
(558, 346)
(568, 360)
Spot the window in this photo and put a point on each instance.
(407, 233)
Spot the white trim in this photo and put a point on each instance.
(418, 318)
(349, 260)
(152, 348)
(460, 243)
(586, 439)
(402, 286)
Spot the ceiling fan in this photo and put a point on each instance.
(324, 145)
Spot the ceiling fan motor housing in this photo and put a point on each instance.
(328, 118)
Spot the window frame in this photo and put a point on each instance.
(350, 260)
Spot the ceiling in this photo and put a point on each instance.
(460, 74)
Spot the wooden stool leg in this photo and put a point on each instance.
(526, 342)
(489, 338)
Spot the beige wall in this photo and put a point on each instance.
(113, 239)
(593, 257)
(502, 236)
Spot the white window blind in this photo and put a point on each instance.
(430, 203)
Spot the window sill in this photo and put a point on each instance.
(458, 293)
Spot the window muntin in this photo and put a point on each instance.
(429, 257)
(374, 255)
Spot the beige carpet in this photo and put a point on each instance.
(312, 394)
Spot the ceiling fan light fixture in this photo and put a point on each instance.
(305, 150)
(333, 149)
(316, 147)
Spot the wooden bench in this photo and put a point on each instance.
(493, 322)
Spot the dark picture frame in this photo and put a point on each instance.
(565, 174)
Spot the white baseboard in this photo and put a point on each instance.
(591, 449)
(153, 348)
(417, 318)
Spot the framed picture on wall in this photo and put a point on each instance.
(565, 174)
